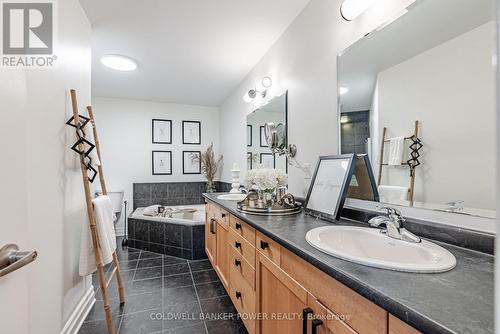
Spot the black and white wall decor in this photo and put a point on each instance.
(263, 140)
(249, 135)
(191, 132)
(191, 162)
(267, 160)
(162, 162)
(162, 131)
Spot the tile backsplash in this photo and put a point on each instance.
(172, 193)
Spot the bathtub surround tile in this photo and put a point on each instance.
(174, 251)
(142, 245)
(141, 230)
(187, 253)
(173, 235)
(142, 190)
(199, 254)
(172, 193)
(187, 236)
(198, 236)
(157, 248)
(157, 233)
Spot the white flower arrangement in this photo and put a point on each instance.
(266, 179)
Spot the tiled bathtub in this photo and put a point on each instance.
(181, 236)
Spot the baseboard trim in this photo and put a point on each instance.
(80, 312)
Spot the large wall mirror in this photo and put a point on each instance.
(258, 153)
(417, 96)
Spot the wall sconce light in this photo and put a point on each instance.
(351, 9)
(260, 89)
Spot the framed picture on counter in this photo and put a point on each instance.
(162, 131)
(329, 186)
(162, 162)
(191, 132)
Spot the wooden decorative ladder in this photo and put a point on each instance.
(412, 163)
(85, 167)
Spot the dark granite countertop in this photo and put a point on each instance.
(458, 301)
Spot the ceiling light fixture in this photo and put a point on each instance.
(119, 63)
(343, 90)
(260, 89)
(351, 9)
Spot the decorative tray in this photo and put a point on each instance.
(275, 210)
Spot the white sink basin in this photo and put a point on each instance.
(369, 247)
(232, 197)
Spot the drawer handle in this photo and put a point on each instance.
(237, 244)
(237, 262)
(305, 317)
(264, 244)
(315, 324)
(238, 295)
(212, 225)
(223, 215)
(238, 226)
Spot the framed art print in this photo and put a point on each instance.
(267, 160)
(263, 140)
(162, 162)
(249, 135)
(329, 186)
(191, 162)
(191, 132)
(162, 131)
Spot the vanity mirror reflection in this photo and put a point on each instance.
(418, 99)
(258, 152)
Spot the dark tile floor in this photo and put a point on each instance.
(165, 294)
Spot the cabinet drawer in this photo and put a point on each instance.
(243, 247)
(241, 265)
(268, 247)
(243, 297)
(360, 314)
(332, 323)
(397, 326)
(243, 229)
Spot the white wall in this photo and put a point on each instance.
(124, 128)
(450, 90)
(46, 179)
(303, 61)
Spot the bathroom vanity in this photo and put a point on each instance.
(281, 284)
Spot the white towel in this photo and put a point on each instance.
(103, 213)
(151, 210)
(89, 135)
(396, 151)
(393, 194)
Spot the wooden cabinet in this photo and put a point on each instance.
(210, 236)
(281, 301)
(273, 289)
(222, 252)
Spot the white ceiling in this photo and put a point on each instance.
(188, 51)
(428, 24)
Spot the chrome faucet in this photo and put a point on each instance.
(393, 223)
